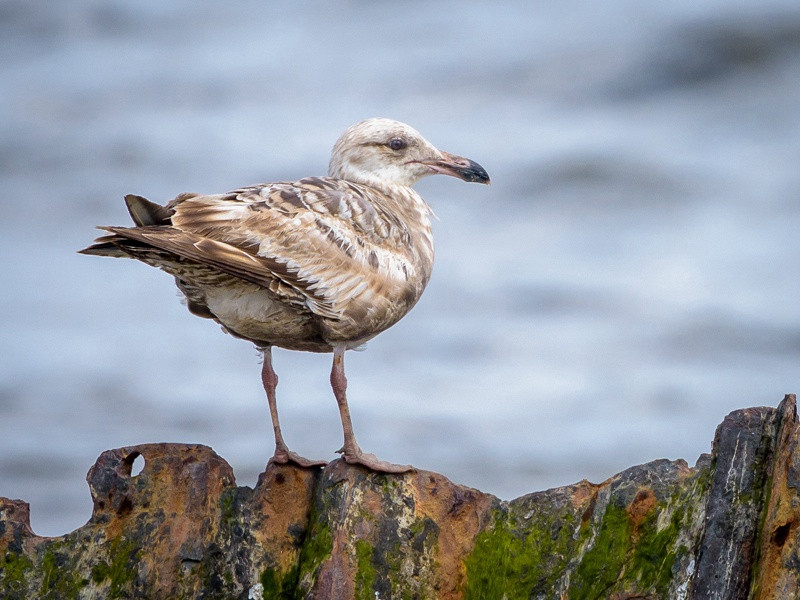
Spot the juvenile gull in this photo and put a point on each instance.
(322, 264)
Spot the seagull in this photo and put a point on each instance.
(322, 264)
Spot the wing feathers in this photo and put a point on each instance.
(267, 273)
(322, 244)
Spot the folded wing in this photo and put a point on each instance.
(322, 245)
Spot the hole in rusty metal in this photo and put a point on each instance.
(137, 466)
(133, 464)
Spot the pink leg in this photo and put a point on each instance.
(352, 453)
(282, 453)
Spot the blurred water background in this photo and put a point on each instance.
(630, 276)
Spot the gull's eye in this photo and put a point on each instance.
(397, 144)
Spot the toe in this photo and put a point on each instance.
(284, 457)
(373, 462)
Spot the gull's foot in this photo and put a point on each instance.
(373, 462)
(285, 457)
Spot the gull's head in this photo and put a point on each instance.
(380, 152)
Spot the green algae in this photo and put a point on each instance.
(621, 559)
(123, 554)
(316, 547)
(519, 556)
(280, 586)
(59, 579)
(634, 559)
(550, 552)
(13, 574)
(640, 559)
(424, 534)
(365, 571)
(602, 565)
(655, 552)
(227, 506)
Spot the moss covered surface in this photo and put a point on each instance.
(591, 550)
(518, 556)
(280, 586)
(626, 558)
(365, 571)
(15, 570)
(316, 547)
(568, 541)
(192, 534)
(632, 535)
(59, 578)
(120, 568)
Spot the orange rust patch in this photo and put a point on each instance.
(281, 501)
(641, 506)
(585, 494)
(461, 513)
(776, 576)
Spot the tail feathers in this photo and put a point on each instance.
(116, 246)
(143, 212)
(105, 246)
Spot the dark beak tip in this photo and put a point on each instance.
(458, 166)
(477, 174)
(484, 179)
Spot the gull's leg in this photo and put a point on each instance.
(282, 453)
(352, 453)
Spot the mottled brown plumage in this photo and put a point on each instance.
(322, 264)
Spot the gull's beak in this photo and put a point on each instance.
(457, 166)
